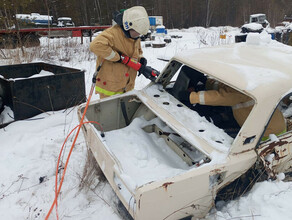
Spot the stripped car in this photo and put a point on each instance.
(165, 159)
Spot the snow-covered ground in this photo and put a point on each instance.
(30, 148)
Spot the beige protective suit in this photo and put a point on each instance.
(113, 77)
(241, 104)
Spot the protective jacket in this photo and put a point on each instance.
(114, 77)
(222, 95)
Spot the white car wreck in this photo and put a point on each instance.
(166, 159)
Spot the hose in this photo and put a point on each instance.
(78, 127)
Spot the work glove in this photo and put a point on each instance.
(200, 87)
(148, 72)
(202, 78)
(143, 61)
(120, 60)
(200, 84)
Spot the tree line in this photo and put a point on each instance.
(176, 13)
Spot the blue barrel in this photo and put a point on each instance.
(160, 29)
(273, 36)
(152, 21)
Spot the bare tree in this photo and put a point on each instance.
(98, 10)
(209, 12)
(176, 14)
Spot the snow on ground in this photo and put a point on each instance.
(30, 148)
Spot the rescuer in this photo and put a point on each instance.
(115, 76)
(219, 94)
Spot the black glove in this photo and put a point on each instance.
(200, 87)
(200, 83)
(148, 72)
(143, 61)
(120, 60)
(202, 78)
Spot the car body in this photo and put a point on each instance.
(258, 18)
(65, 22)
(212, 160)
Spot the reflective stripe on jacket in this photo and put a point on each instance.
(114, 77)
(241, 106)
(106, 92)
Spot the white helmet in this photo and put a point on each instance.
(136, 18)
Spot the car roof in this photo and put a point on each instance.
(256, 15)
(65, 18)
(260, 71)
